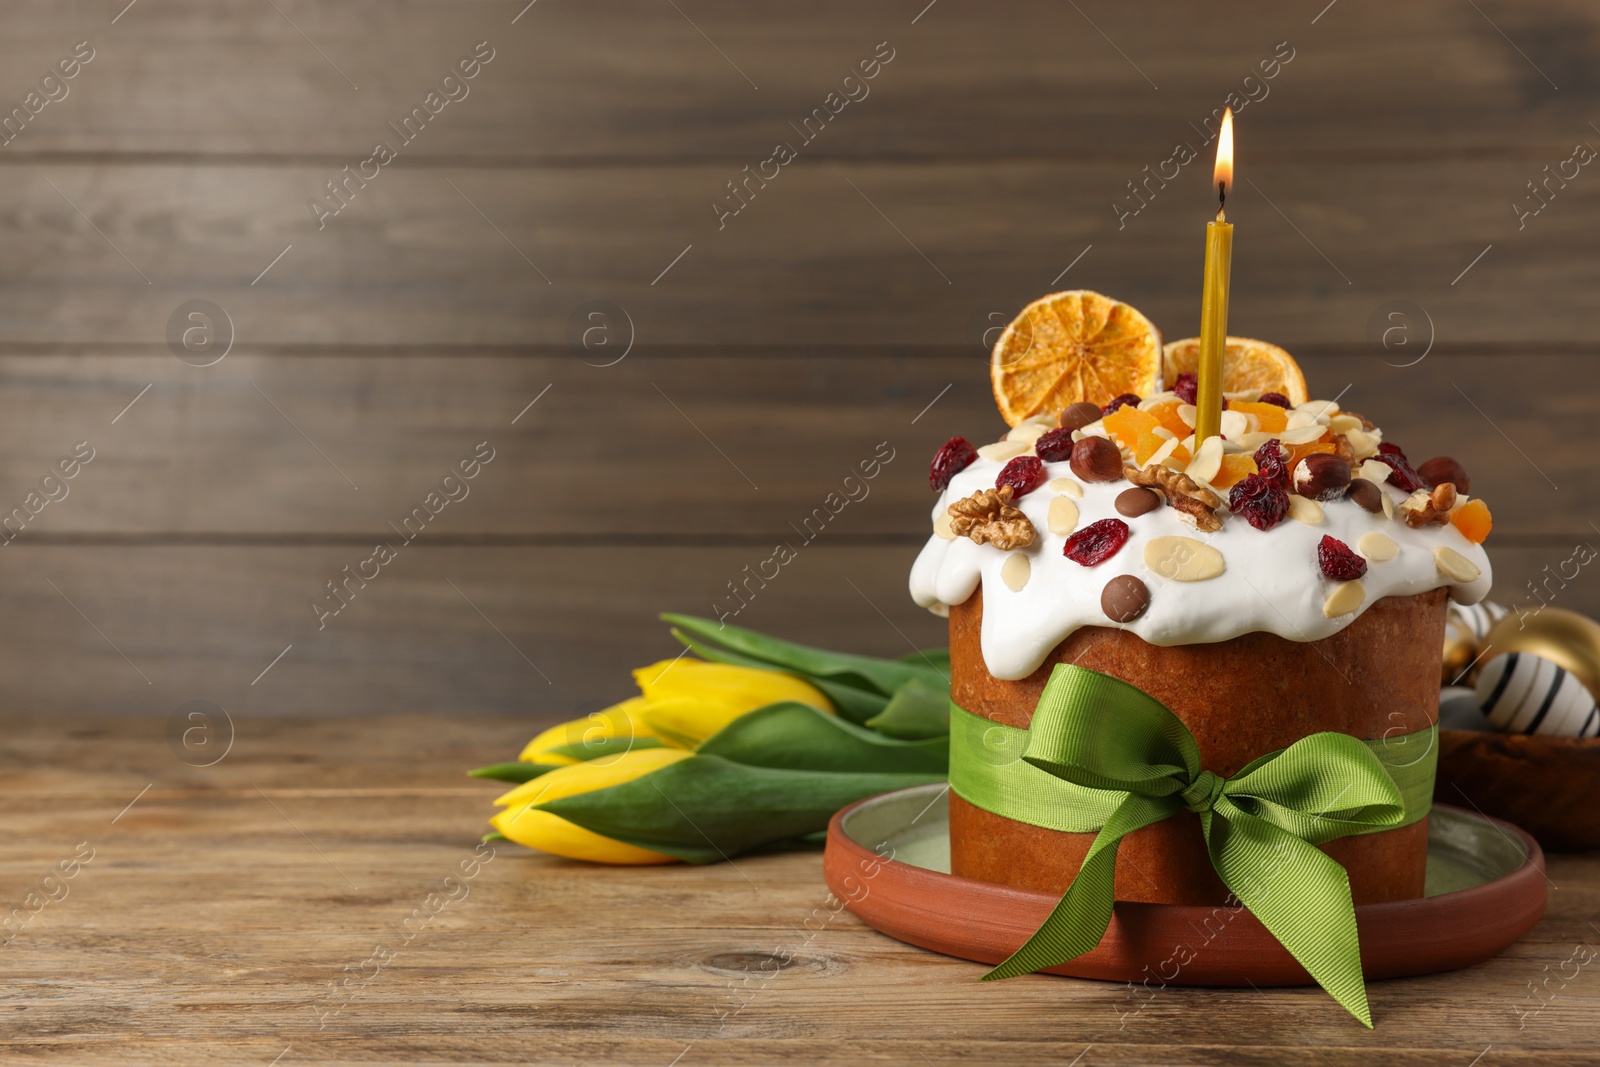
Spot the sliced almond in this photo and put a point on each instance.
(1160, 455)
(1001, 451)
(1362, 443)
(1016, 571)
(1164, 433)
(1319, 409)
(1375, 471)
(1188, 414)
(1067, 486)
(1454, 566)
(1345, 423)
(1251, 441)
(1304, 509)
(941, 526)
(1345, 598)
(1183, 559)
(1299, 418)
(1234, 423)
(1388, 504)
(1207, 461)
(1379, 548)
(1300, 435)
(1063, 516)
(1027, 432)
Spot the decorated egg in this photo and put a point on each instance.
(1540, 674)
(1522, 693)
(1475, 620)
(1465, 627)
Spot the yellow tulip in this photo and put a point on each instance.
(686, 700)
(619, 720)
(525, 825)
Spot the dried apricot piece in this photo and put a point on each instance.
(1473, 520)
(1166, 413)
(1127, 423)
(1235, 468)
(1273, 418)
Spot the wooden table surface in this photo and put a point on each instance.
(268, 906)
(741, 365)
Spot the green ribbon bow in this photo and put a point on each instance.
(1261, 825)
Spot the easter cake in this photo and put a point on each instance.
(1286, 578)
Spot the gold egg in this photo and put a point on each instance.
(1565, 638)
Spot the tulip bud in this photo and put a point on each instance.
(687, 700)
(619, 720)
(550, 833)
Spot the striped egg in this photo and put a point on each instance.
(1521, 693)
(1475, 619)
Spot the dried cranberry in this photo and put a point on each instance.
(1276, 398)
(1054, 446)
(1337, 562)
(1273, 465)
(1122, 401)
(955, 456)
(1260, 500)
(1402, 474)
(1096, 542)
(1023, 474)
(1187, 386)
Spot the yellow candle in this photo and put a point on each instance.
(1214, 300)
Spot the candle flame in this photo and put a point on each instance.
(1222, 176)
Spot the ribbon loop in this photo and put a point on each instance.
(1107, 738)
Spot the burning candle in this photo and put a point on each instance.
(1214, 300)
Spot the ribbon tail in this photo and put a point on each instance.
(1079, 920)
(1298, 894)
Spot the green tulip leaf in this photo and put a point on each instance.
(797, 736)
(517, 771)
(706, 808)
(882, 676)
(916, 711)
(602, 746)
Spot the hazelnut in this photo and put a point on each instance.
(1077, 416)
(1367, 494)
(1322, 476)
(1095, 459)
(1441, 469)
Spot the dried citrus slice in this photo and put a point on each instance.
(1073, 346)
(1247, 364)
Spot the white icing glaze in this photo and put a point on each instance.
(1271, 583)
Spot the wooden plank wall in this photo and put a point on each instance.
(767, 352)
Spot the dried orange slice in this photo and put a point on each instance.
(1246, 364)
(1073, 346)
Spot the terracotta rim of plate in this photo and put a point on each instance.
(1180, 944)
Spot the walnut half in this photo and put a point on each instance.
(987, 517)
(1199, 504)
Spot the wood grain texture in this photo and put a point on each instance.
(912, 254)
(218, 910)
(635, 80)
(771, 353)
(741, 444)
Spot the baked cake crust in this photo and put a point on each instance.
(1240, 698)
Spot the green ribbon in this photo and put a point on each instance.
(1102, 755)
